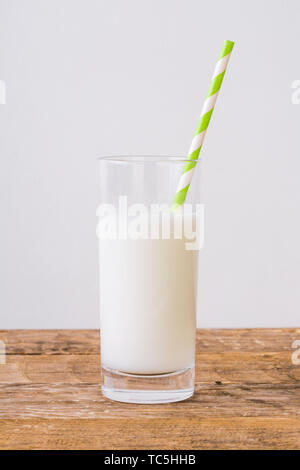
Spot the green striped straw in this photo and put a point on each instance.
(207, 110)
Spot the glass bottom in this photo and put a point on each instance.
(161, 388)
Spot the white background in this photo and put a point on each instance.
(93, 77)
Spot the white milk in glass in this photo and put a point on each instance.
(147, 305)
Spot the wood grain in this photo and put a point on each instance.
(86, 401)
(156, 433)
(86, 342)
(229, 367)
(247, 395)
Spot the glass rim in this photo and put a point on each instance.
(132, 159)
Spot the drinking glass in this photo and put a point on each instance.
(148, 262)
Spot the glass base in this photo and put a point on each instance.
(162, 388)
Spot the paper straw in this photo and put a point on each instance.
(207, 110)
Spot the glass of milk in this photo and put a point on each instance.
(148, 258)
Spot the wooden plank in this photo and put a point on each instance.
(247, 367)
(86, 401)
(247, 395)
(87, 341)
(51, 341)
(48, 368)
(155, 433)
(228, 367)
(256, 339)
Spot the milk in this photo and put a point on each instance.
(147, 305)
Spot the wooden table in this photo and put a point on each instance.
(247, 395)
